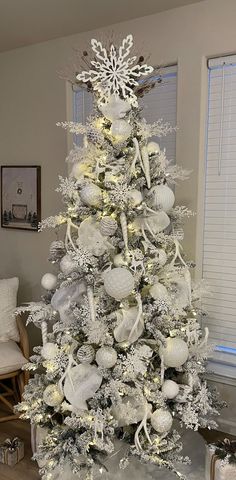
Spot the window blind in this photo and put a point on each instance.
(160, 102)
(219, 238)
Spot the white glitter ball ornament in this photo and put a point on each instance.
(49, 351)
(86, 354)
(121, 130)
(67, 265)
(158, 291)
(106, 357)
(91, 195)
(175, 353)
(52, 395)
(162, 197)
(49, 281)
(170, 389)
(153, 148)
(108, 226)
(161, 420)
(119, 283)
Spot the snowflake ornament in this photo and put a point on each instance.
(114, 74)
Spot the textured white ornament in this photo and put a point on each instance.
(49, 281)
(153, 148)
(170, 389)
(113, 72)
(161, 257)
(81, 383)
(119, 260)
(175, 353)
(162, 197)
(52, 395)
(154, 224)
(121, 130)
(67, 264)
(86, 354)
(106, 357)
(108, 226)
(131, 410)
(49, 351)
(119, 283)
(135, 197)
(158, 291)
(91, 195)
(126, 320)
(115, 108)
(161, 420)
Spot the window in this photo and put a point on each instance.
(160, 102)
(219, 238)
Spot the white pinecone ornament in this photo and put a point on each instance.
(86, 354)
(108, 226)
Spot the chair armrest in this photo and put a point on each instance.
(24, 339)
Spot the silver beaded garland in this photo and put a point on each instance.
(86, 354)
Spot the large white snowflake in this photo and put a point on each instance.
(114, 74)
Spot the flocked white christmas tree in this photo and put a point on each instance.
(125, 355)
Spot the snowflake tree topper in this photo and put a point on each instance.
(114, 73)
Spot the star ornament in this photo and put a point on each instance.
(113, 73)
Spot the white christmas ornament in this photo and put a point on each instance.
(175, 353)
(170, 389)
(126, 319)
(52, 395)
(49, 351)
(118, 283)
(131, 410)
(158, 291)
(91, 238)
(115, 108)
(108, 226)
(81, 383)
(49, 281)
(113, 72)
(121, 130)
(86, 354)
(106, 357)
(91, 195)
(153, 148)
(135, 197)
(154, 223)
(67, 264)
(64, 297)
(162, 197)
(161, 420)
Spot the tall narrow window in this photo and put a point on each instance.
(219, 239)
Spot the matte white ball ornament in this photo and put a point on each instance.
(170, 389)
(175, 353)
(162, 197)
(49, 351)
(52, 395)
(161, 420)
(91, 195)
(153, 148)
(121, 130)
(118, 283)
(106, 357)
(108, 226)
(158, 291)
(49, 281)
(67, 264)
(115, 108)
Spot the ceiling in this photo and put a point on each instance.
(24, 22)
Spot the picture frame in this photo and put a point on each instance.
(21, 197)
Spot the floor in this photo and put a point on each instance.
(26, 469)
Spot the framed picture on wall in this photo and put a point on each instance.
(21, 197)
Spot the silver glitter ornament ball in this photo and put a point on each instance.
(106, 357)
(161, 420)
(86, 354)
(170, 389)
(108, 226)
(175, 353)
(91, 195)
(52, 395)
(119, 283)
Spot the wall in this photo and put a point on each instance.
(33, 99)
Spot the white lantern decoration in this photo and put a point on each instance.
(108, 226)
(49, 281)
(162, 197)
(106, 357)
(91, 195)
(175, 353)
(49, 351)
(161, 420)
(121, 130)
(115, 108)
(119, 283)
(67, 264)
(126, 320)
(170, 389)
(153, 148)
(158, 291)
(161, 257)
(52, 395)
(135, 197)
(81, 384)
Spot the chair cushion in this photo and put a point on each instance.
(8, 302)
(11, 357)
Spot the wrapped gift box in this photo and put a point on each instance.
(11, 451)
(217, 467)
